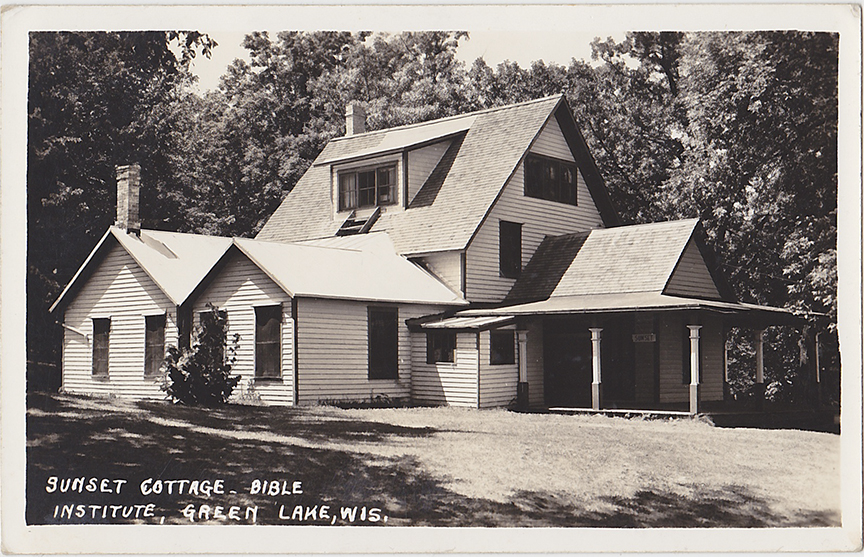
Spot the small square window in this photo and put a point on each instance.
(502, 348)
(440, 346)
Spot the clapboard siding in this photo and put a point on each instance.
(670, 336)
(712, 343)
(447, 266)
(453, 384)
(121, 290)
(238, 288)
(691, 276)
(498, 382)
(421, 163)
(538, 217)
(551, 142)
(333, 351)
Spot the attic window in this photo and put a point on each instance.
(368, 187)
(550, 179)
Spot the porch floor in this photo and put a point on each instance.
(825, 419)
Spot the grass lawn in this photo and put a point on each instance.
(422, 466)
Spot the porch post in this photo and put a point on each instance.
(596, 382)
(759, 336)
(694, 368)
(522, 385)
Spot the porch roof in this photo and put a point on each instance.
(638, 301)
(473, 323)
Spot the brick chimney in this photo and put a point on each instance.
(128, 185)
(355, 119)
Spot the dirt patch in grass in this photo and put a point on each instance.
(425, 466)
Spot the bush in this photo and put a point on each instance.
(201, 375)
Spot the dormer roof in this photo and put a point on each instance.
(493, 144)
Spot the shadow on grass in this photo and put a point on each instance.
(70, 437)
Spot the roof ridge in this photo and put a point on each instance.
(450, 118)
(646, 224)
(300, 244)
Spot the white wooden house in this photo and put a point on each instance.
(474, 261)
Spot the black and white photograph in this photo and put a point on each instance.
(476, 278)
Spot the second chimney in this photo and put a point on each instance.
(128, 186)
(355, 119)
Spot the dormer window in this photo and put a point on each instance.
(368, 187)
(550, 179)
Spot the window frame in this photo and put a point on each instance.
(101, 348)
(390, 353)
(509, 249)
(152, 362)
(551, 188)
(353, 190)
(511, 342)
(440, 342)
(263, 348)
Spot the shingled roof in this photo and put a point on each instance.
(625, 259)
(495, 142)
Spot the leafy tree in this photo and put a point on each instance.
(201, 375)
(95, 100)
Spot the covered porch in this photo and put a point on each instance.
(636, 352)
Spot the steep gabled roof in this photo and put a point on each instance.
(613, 261)
(176, 262)
(354, 268)
(495, 142)
(638, 258)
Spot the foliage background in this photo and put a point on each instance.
(738, 129)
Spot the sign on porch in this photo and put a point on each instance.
(644, 337)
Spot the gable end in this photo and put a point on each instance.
(587, 166)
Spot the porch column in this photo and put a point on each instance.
(694, 368)
(596, 382)
(522, 385)
(759, 337)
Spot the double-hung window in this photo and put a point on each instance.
(368, 187)
(383, 343)
(101, 332)
(550, 179)
(154, 344)
(510, 248)
(268, 344)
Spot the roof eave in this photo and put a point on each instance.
(78, 274)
